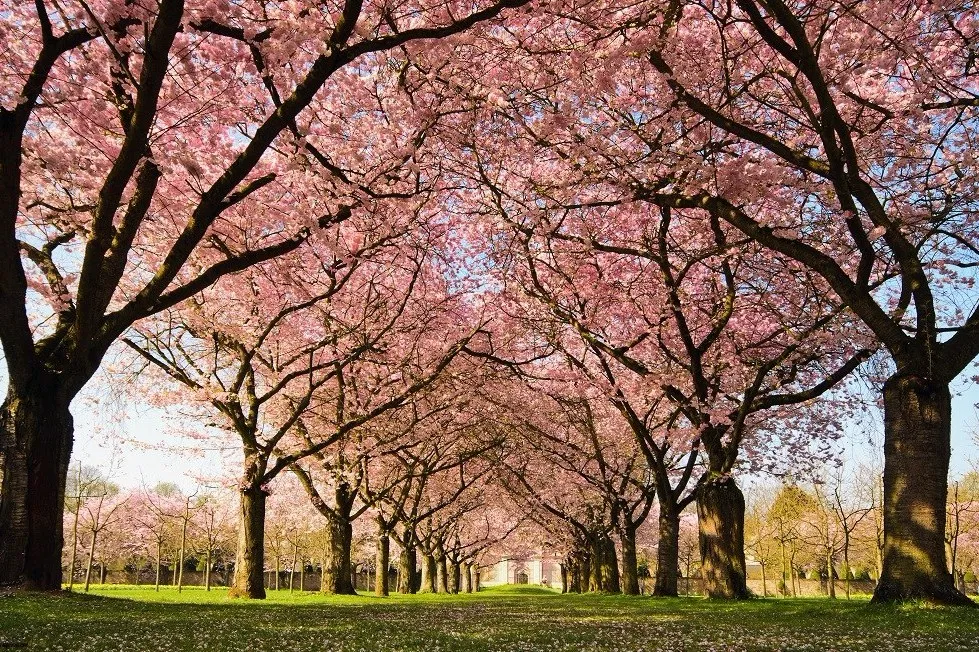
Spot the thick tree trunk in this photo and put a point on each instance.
(36, 435)
(630, 563)
(584, 572)
(455, 577)
(604, 567)
(407, 561)
(429, 571)
(382, 561)
(720, 511)
(441, 574)
(337, 568)
(249, 580)
(917, 449)
(667, 555)
(464, 578)
(564, 577)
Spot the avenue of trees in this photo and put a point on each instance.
(456, 276)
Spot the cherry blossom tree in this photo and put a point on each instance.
(148, 149)
(841, 138)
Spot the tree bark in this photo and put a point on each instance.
(183, 550)
(630, 563)
(383, 560)
(917, 450)
(207, 570)
(36, 436)
(464, 578)
(720, 511)
(159, 561)
(249, 580)
(407, 561)
(337, 568)
(455, 577)
(441, 574)
(428, 573)
(667, 555)
(91, 559)
(830, 584)
(604, 566)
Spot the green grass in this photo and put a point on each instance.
(526, 619)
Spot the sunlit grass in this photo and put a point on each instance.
(525, 619)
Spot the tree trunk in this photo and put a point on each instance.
(584, 572)
(564, 577)
(428, 573)
(91, 557)
(336, 559)
(183, 549)
(74, 532)
(441, 574)
(249, 580)
(207, 570)
(604, 566)
(830, 584)
(159, 562)
(36, 436)
(784, 588)
(720, 511)
(407, 561)
(667, 555)
(630, 564)
(381, 587)
(465, 576)
(764, 581)
(455, 576)
(917, 449)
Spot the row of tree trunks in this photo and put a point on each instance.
(917, 455)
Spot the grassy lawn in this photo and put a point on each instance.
(122, 619)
